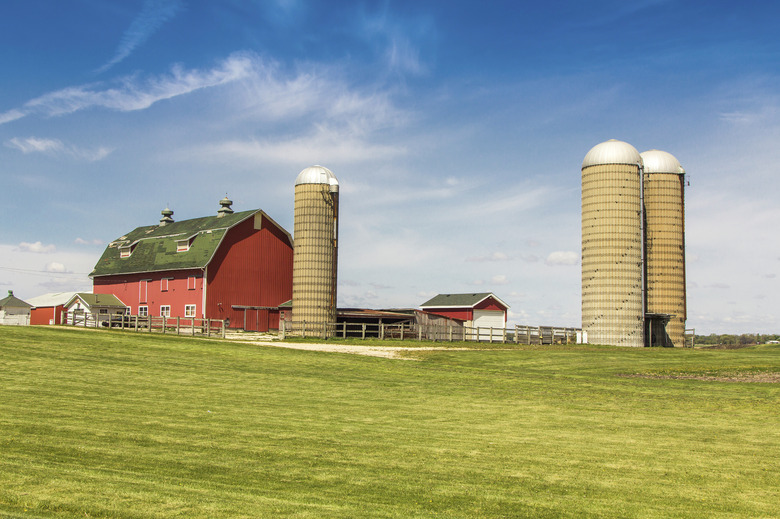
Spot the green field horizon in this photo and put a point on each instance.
(103, 423)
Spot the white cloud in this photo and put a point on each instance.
(37, 247)
(562, 258)
(56, 267)
(151, 17)
(57, 148)
(82, 241)
(495, 256)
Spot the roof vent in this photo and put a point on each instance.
(225, 209)
(166, 219)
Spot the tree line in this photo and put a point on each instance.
(730, 339)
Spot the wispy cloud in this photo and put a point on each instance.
(149, 20)
(82, 241)
(131, 93)
(56, 147)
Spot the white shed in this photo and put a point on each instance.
(14, 311)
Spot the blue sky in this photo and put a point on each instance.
(457, 131)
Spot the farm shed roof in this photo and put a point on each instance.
(51, 299)
(11, 301)
(460, 300)
(91, 300)
(153, 247)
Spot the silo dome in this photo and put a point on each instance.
(612, 152)
(317, 175)
(657, 161)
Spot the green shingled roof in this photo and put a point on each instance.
(459, 300)
(154, 246)
(11, 301)
(92, 300)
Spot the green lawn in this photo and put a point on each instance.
(117, 424)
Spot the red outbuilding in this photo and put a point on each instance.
(49, 308)
(482, 310)
(234, 266)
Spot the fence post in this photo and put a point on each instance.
(363, 333)
(223, 328)
(178, 324)
(208, 327)
(163, 324)
(344, 329)
(402, 331)
(193, 326)
(304, 329)
(419, 332)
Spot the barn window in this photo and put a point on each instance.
(189, 310)
(164, 284)
(191, 283)
(143, 311)
(185, 244)
(142, 290)
(165, 310)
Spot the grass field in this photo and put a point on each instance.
(116, 424)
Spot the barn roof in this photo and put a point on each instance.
(11, 301)
(153, 247)
(460, 300)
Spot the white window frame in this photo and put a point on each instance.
(189, 310)
(164, 284)
(165, 310)
(143, 290)
(143, 311)
(192, 282)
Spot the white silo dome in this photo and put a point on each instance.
(657, 161)
(612, 152)
(318, 175)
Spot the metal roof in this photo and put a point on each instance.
(318, 175)
(51, 299)
(612, 152)
(460, 300)
(657, 161)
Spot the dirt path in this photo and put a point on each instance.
(387, 352)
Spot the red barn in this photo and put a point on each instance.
(483, 310)
(235, 266)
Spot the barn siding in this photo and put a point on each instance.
(126, 287)
(251, 268)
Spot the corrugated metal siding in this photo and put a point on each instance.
(252, 267)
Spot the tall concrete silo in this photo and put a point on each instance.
(315, 257)
(612, 302)
(664, 246)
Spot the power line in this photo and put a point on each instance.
(42, 272)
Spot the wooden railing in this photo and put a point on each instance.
(431, 332)
(143, 323)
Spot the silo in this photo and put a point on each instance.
(612, 304)
(315, 247)
(665, 242)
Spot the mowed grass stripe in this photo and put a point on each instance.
(117, 424)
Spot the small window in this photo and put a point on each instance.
(124, 252)
(182, 245)
(143, 311)
(103, 311)
(189, 310)
(164, 285)
(142, 290)
(191, 283)
(165, 310)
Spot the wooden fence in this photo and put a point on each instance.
(430, 332)
(175, 325)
